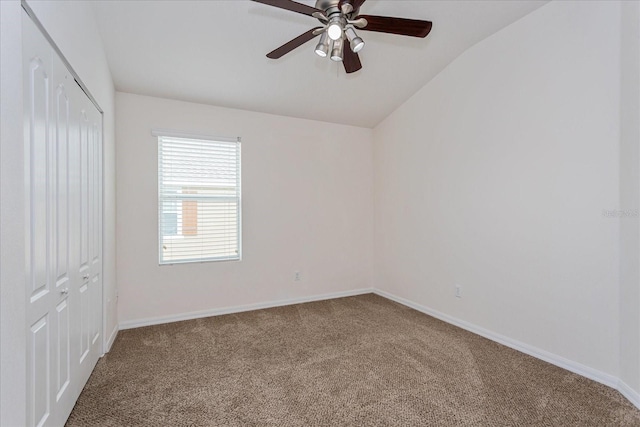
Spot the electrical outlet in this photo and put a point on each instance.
(296, 276)
(458, 291)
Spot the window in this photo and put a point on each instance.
(199, 209)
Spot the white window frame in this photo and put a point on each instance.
(159, 133)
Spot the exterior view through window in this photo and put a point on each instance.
(199, 216)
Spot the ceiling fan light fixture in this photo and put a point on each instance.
(335, 28)
(322, 48)
(357, 44)
(334, 31)
(355, 41)
(337, 50)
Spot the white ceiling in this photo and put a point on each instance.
(213, 52)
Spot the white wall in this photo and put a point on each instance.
(630, 197)
(495, 176)
(72, 26)
(307, 198)
(13, 345)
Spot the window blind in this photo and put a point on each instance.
(199, 209)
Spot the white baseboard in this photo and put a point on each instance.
(554, 359)
(111, 339)
(137, 323)
(632, 395)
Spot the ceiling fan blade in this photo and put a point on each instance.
(289, 46)
(351, 61)
(400, 26)
(355, 4)
(291, 5)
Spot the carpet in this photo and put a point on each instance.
(356, 361)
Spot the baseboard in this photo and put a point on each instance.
(554, 359)
(632, 395)
(111, 339)
(129, 324)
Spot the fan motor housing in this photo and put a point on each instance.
(326, 4)
(330, 7)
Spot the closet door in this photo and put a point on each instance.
(87, 208)
(63, 193)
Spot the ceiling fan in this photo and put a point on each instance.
(339, 19)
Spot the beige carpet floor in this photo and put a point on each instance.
(357, 361)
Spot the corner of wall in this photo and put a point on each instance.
(629, 322)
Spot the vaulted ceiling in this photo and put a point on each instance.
(213, 52)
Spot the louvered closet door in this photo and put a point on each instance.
(63, 193)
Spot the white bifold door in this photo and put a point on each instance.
(63, 177)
